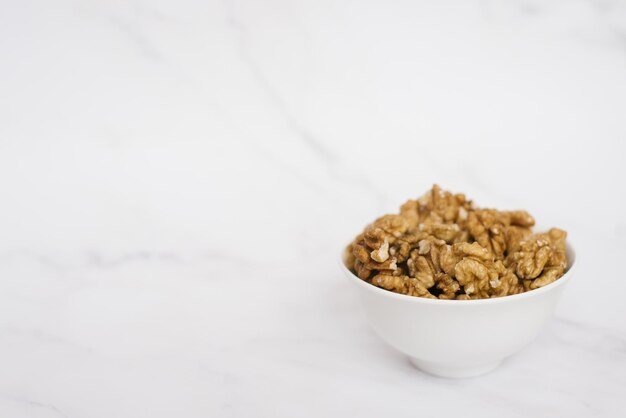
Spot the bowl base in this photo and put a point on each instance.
(454, 371)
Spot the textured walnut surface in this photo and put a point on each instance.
(443, 246)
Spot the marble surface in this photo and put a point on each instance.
(178, 178)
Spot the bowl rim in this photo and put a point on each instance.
(572, 261)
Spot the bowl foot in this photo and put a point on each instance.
(454, 370)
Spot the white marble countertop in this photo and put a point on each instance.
(177, 180)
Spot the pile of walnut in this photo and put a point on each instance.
(443, 246)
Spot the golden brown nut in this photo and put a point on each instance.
(521, 218)
(439, 255)
(499, 231)
(410, 212)
(475, 276)
(440, 206)
(445, 232)
(389, 264)
(402, 284)
(539, 252)
(508, 283)
(400, 250)
(447, 285)
(487, 227)
(548, 275)
(474, 250)
(420, 268)
(514, 235)
(361, 271)
(531, 260)
(360, 252)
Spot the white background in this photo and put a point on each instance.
(177, 180)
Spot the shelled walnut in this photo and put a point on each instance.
(443, 246)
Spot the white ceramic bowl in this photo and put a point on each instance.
(459, 338)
